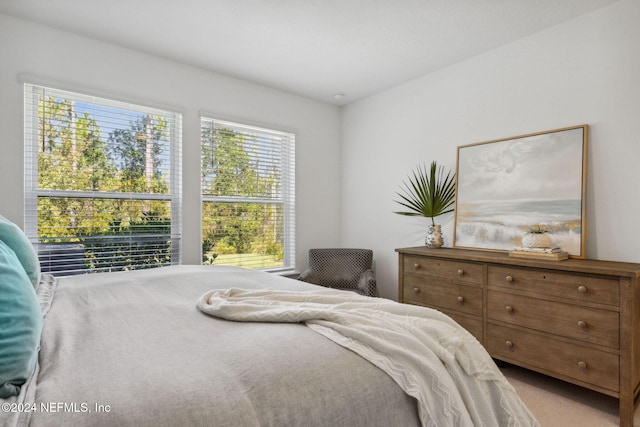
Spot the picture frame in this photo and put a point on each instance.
(505, 187)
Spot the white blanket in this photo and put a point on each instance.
(431, 357)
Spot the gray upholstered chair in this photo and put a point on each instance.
(347, 269)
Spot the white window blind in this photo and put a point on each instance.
(248, 196)
(102, 184)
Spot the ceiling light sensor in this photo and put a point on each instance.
(339, 96)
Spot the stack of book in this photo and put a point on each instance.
(554, 254)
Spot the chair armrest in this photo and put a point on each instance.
(367, 283)
(309, 276)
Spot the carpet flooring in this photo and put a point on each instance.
(558, 403)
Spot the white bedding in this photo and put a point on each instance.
(132, 349)
(428, 355)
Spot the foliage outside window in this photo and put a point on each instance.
(102, 183)
(248, 217)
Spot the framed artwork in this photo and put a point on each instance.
(506, 187)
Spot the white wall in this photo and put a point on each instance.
(75, 63)
(583, 71)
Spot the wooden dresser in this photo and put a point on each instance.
(576, 320)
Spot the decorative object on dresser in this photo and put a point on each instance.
(536, 243)
(551, 254)
(429, 195)
(507, 185)
(576, 320)
(536, 237)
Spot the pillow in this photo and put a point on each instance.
(15, 238)
(20, 324)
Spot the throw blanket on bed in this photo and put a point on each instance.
(431, 358)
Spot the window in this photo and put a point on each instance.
(103, 183)
(248, 196)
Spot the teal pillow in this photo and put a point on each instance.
(20, 324)
(15, 238)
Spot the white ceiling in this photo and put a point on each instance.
(314, 48)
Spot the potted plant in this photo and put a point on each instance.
(430, 194)
(536, 237)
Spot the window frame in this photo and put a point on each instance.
(287, 200)
(32, 92)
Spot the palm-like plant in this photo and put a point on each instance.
(428, 194)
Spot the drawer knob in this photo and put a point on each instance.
(460, 298)
(582, 323)
(416, 290)
(509, 278)
(509, 309)
(416, 265)
(583, 289)
(461, 272)
(508, 344)
(582, 364)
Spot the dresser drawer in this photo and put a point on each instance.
(450, 296)
(581, 288)
(463, 272)
(567, 320)
(554, 356)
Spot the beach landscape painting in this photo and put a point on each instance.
(508, 186)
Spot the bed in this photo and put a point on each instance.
(140, 349)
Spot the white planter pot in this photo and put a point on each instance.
(536, 240)
(434, 237)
